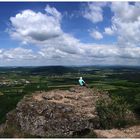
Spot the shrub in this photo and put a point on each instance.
(113, 112)
(137, 104)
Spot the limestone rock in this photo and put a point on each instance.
(131, 132)
(2, 127)
(57, 113)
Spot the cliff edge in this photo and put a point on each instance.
(57, 113)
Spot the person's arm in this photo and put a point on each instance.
(83, 81)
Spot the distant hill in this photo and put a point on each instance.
(60, 70)
(52, 70)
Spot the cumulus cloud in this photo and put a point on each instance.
(126, 21)
(129, 52)
(109, 31)
(96, 34)
(125, 11)
(52, 11)
(44, 31)
(18, 53)
(29, 26)
(94, 12)
(55, 46)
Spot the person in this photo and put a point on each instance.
(82, 82)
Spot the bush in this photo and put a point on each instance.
(137, 104)
(113, 112)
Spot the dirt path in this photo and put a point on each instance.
(131, 132)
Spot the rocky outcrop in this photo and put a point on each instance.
(57, 113)
(131, 132)
(2, 127)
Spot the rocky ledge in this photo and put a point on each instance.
(130, 132)
(57, 113)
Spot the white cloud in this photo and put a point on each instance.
(18, 54)
(96, 34)
(44, 31)
(125, 11)
(1, 53)
(94, 12)
(52, 11)
(30, 26)
(109, 31)
(126, 21)
(18, 57)
(130, 52)
(57, 47)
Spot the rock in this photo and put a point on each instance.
(131, 132)
(2, 127)
(57, 113)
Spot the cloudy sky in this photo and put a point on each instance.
(69, 33)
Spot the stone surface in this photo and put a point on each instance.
(131, 132)
(57, 113)
(2, 127)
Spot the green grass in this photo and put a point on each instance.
(7, 103)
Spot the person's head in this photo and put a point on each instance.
(80, 78)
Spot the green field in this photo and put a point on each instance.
(118, 81)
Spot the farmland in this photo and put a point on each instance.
(15, 82)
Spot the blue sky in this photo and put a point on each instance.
(69, 33)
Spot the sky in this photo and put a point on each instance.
(69, 33)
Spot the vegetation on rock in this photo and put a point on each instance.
(114, 113)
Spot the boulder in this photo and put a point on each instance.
(57, 113)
